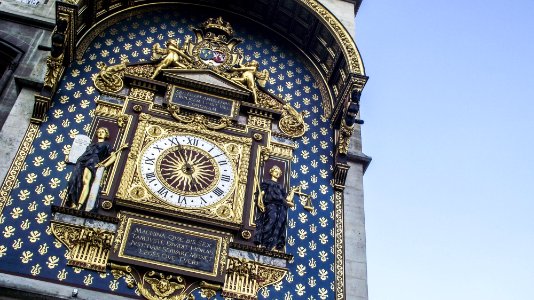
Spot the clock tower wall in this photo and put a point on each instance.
(191, 116)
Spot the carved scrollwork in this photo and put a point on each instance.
(200, 120)
(345, 132)
(267, 101)
(109, 78)
(54, 66)
(153, 285)
(209, 290)
(144, 71)
(88, 247)
(66, 234)
(269, 275)
(244, 278)
(292, 122)
(119, 271)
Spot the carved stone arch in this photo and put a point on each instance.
(307, 24)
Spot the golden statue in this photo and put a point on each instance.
(247, 75)
(98, 154)
(173, 55)
(109, 79)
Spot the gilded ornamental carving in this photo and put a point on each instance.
(88, 247)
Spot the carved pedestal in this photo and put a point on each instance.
(87, 240)
(247, 272)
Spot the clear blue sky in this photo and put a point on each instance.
(449, 122)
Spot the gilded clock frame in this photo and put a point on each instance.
(132, 191)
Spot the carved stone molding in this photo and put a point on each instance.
(342, 35)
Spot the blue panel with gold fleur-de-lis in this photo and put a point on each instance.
(27, 246)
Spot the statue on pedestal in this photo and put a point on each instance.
(273, 202)
(97, 154)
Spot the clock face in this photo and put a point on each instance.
(187, 171)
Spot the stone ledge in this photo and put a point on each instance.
(16, 287)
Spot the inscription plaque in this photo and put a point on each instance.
(203, 102)
(171, 247)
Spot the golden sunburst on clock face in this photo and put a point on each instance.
(187, 171)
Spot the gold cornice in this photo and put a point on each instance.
(17, 164)
(339, 262)
(343, 37)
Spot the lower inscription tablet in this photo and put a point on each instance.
(171, 247)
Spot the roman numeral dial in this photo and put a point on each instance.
(187, 171)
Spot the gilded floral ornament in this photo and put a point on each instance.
(144, 71)
(267, 101)
(292, 122)
(119, 271)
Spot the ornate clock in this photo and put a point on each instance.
(204, 186)
(187, 171)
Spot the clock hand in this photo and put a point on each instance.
(193, 181)
(180, 152)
